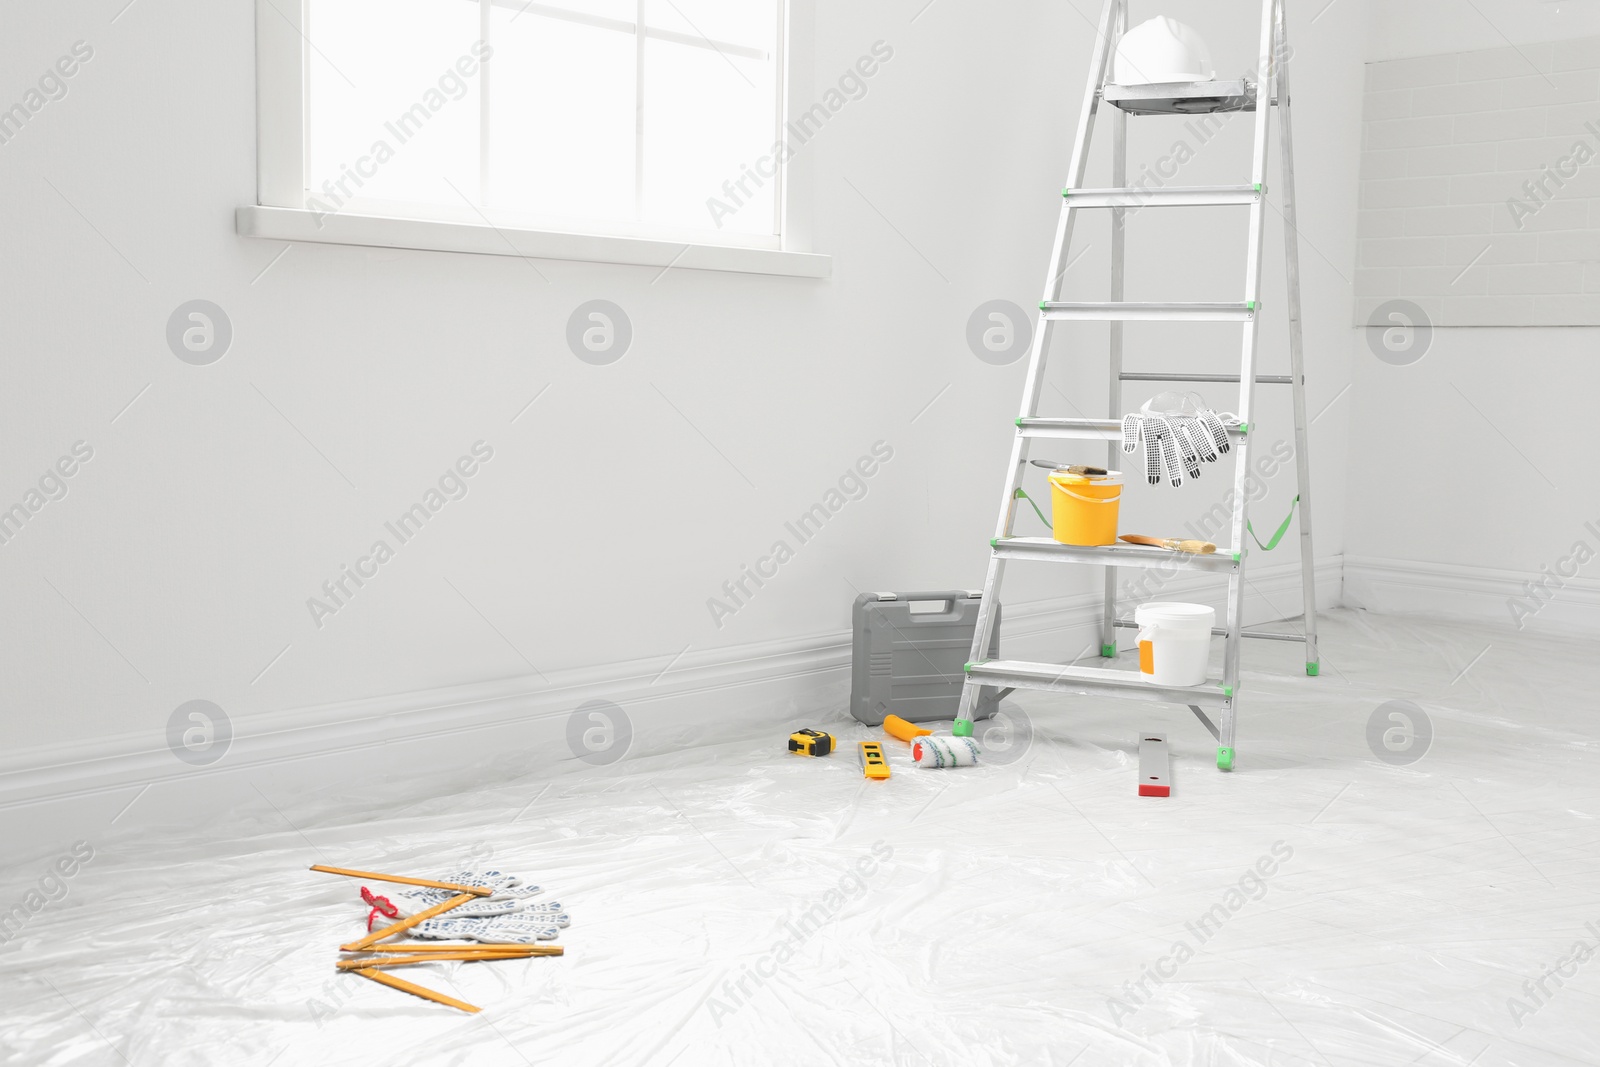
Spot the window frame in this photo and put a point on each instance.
(283, 55)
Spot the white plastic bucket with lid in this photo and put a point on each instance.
(1174, 642)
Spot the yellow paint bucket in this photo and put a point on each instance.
(1083, 507)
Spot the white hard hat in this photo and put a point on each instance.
(1162, 50)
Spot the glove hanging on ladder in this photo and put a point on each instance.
(1177, 434)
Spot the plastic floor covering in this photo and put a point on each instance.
(1362, 889)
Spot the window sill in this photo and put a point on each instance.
(373, 231)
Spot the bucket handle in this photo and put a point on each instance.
(1089, 499)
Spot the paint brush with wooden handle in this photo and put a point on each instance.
(1076, 468)
(1194, 548)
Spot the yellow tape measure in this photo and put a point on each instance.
(811, 742)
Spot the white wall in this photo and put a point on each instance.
(1480, 198)
(1465, 482)
(1435, 27)
(180, 562)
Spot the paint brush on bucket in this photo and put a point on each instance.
(1076, 468)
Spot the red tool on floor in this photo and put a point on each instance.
(1154, 766)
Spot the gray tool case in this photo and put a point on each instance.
(911, 663)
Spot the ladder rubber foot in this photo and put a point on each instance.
(1109, 651)
(1313, 669)
(962, 728)
(1224, 759)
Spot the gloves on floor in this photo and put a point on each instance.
(509, 915)
(509, 930)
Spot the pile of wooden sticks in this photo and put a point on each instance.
(375, 955)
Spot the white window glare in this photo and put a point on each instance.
(620, 117)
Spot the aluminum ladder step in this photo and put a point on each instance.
(1082, 429)
(1048, 549)
(1093, 681)
(1182, 98)
(1149, 311)
(1261, 379)
(1217, 631)
(1193, 196)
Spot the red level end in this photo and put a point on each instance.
(1155, 791)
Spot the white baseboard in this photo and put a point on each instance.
(416, 744)
(296, 770)
(745, 677)
(1473, 594)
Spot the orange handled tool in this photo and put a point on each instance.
(896, 727)
(417, 991)
(1194, 548)
(477, 891)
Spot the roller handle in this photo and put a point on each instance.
(901, 730)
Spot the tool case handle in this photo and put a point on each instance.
(938, 594)
(950, 597)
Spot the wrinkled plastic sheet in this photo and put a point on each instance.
(1329, 902)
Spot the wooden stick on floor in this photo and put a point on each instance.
(403, 961)
(406, 924)
(424, 947)
(477, 891)
(417, 991)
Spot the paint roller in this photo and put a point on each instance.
(930, 750)
(938, 752)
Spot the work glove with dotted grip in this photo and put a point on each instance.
(1177, 436)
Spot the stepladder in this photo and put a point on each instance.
(1115, 105)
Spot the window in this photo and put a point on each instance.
(641, 119)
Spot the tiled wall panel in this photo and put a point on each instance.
(1480, 186)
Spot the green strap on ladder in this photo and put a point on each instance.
(1024, 496)
(1283, 528)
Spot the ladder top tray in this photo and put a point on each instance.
(1182, 98)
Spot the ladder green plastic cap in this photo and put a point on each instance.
(1227, 691)
(1224, 759)
(1109, 651)
(1236, 556)
(1251, 305)
(1019, 420)
(962, 728)
(1313, 669)
(966, 668)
